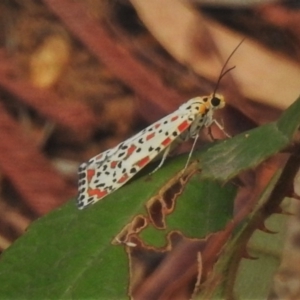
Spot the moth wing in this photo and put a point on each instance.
(111, 169)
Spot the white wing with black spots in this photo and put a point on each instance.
(111, 169)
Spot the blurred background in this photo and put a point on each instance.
(77, 77)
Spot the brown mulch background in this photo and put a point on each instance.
(77, 77)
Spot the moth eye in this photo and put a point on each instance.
(215, 101)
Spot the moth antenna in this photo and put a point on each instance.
(223, 73)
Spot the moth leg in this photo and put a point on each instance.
(191, 152)
(210, 134)
(221, 127)
(165, 154)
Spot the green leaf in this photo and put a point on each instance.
(196, 211)
(251, 278)
(68, 253)
(247, 150)
(254, 277)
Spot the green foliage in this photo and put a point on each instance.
(68, 253)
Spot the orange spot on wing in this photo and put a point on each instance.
(131, 150)
(150, 136)
(90, 174)
(174, 118)
(157, 125)
(113, 164)
(143, 161)
(97, 192)
(123, 178)
(166, 142)
(183, 126)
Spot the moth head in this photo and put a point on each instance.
(216, 101)
(202, 105)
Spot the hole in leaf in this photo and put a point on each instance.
(135, 226)
(170, 194)
(156, 214)
(138, 224)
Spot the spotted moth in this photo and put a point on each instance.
(108, 171)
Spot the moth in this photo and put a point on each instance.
(108, 171)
